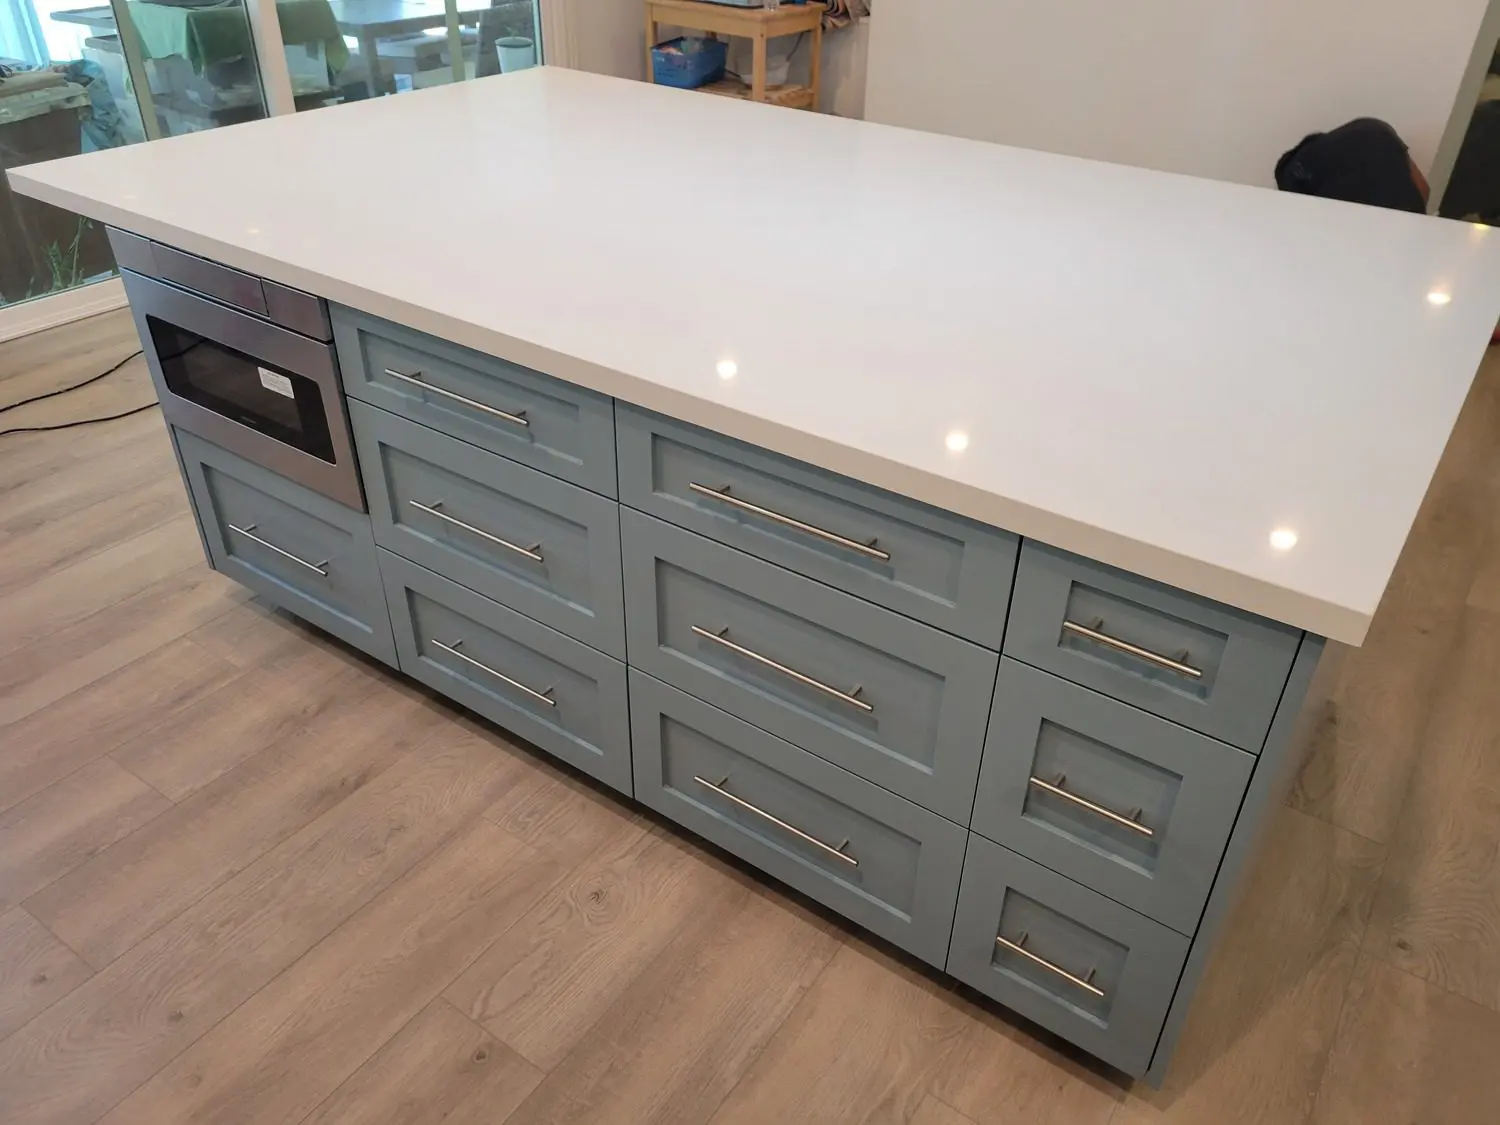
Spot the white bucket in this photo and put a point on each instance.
(516, 53)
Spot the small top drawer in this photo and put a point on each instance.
(508, 409)
(302, 550)
(1118, 799)
(1207, 666)
(928, 564)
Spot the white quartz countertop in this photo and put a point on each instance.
(1155, 371)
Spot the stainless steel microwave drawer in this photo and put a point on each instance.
(1120, 800)
(561, 695)
(1093, 971)
(303, 551)
(1207, 666)
(508, 409)
(932, 565)
(530, 541)
(888, 864)
(899, 703)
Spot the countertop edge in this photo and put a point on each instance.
(1346, 624)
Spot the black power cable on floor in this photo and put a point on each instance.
(66, 390)
(74, 387)
(78, 422)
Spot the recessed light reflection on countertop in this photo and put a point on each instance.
(956, 441)
(1283, 539)
(727, 368)
(1439, 298)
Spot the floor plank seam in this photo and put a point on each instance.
(177, 638)
(110, 754)
(843, 940)
(440, 843)
(206, 891)
(348, 1078)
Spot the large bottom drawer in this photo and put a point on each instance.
(299, 549)
(1095, 972)
(558, 693)
(890, 865)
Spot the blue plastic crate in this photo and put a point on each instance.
(687, 69)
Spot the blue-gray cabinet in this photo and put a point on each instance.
(530, 541)
(1204, 665)
(1037, 772)
(883, 861)
(1078, 963)
(1112, 796)
(895, 701)
(293, 546)
(928, 564)
(550, 689)
(508, 409)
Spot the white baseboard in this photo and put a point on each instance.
(61, 308)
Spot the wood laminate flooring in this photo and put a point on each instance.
(248, 876)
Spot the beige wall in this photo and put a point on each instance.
(602, 36)
(1216, 89)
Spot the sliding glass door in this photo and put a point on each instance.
(77, 78)
(382, 47)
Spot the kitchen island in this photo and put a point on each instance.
(983, 592)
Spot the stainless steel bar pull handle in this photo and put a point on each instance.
(544, 696)
(1057, 790)
(837, 853)
(1093, 633)
(849, 697)
(418, 381)
(248, 532)
(1085, 983)
(869, 550)
(533, 552)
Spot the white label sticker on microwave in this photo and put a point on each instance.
(274, 382)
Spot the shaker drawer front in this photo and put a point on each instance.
(897, 702)
(562, 695)
(528, 540)
(508, 409)
(303, 551)
(1087, 968)
(936, 567)
(884, 862)
(1207, 666)
(1120, 800)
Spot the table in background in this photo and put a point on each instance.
(372, 20)
(756, 24)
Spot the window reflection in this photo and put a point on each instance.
(390, 46)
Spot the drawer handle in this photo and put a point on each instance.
(1092, 633)
(540, 696)
(1085, 983)
(533, 552)
(837, 853)
(248, 530)
(503, 415)
(1056, 789)
(849, 697)
(722, 495)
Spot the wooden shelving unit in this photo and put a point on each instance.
(759, 25)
